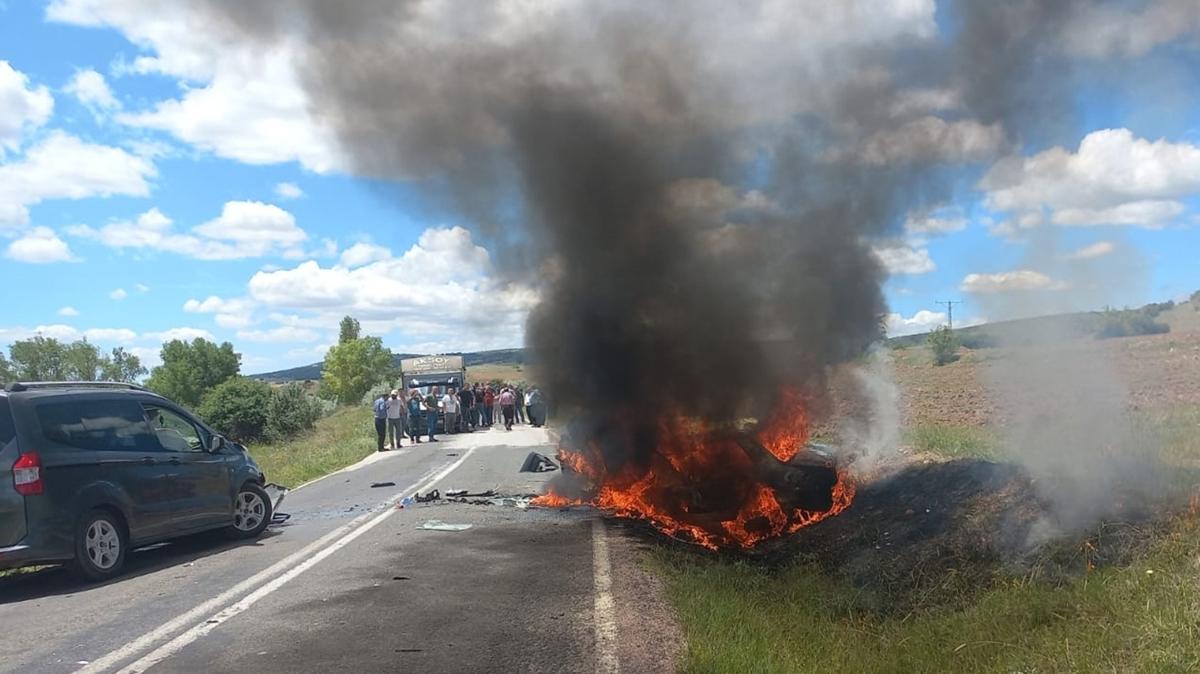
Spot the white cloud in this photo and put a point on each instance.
(118, 294)
(22, 107)
(142, 288)
(68, 311)
(185, 334)
(1098, 249)
(922, 321)
(239, 101)
(244, 229)
(61, 166)
(439, 285)
(228, 313)
(283, 333)
(111, 335)
(39, 245)
(364, 253)
(288, 191)
(1113, 179)
(1008, 281)
(902, 258)
(90, 88)
(1102, 31)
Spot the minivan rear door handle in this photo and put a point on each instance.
(149, 461)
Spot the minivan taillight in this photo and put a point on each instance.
(27, 474)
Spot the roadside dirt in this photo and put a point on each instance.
(1160, 372)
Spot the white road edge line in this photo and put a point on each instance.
(607, 661)
(291, 566)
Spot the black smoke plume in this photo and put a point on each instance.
(695, 187)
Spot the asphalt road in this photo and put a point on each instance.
(353, 583)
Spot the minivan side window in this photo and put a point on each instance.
(174, 432)
(102, 425)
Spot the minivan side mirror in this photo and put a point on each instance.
(215, 443)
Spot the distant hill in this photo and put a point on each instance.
(313, 371)
(1149, 319)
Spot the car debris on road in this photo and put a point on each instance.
(438, 525)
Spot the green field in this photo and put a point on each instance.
(338, 440)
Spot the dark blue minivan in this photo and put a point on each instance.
(89, 471)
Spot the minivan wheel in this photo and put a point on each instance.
(100, 544)
(251, 511)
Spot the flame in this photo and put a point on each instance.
(700, 486)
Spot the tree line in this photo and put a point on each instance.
(206, 377)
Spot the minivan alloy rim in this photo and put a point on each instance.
(249, 511)
(103, 544)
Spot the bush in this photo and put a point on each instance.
(238, 408)
(291, 410)
(1128, 323)
(944, 345)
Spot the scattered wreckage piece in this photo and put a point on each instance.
(538, 463)
(438, 525)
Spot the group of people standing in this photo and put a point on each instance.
(465, 410)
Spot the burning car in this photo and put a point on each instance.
(713, 485)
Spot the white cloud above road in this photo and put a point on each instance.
(1010, 281)
(922, 321)
(442, 290)
(1092, 251)
(283, 333)
(239, 101)
(118, 294)
(1114, 178)
(288, 191)
(39, 245)
(364, 253)
(23, 107)
(92, 90)
(244, 229)
(61, 166)
(904, 258)
(186, 334)
(68, 311)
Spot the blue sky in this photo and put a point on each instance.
(153, 187)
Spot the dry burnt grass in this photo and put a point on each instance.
(937, 534)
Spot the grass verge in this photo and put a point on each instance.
(338, 440)
(1144, 617)
(954, 442)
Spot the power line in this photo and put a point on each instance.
(949, 310)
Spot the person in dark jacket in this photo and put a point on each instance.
(381, 410)
(432, 403)
(414, 416)
(466, 399)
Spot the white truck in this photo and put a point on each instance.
(425, 372)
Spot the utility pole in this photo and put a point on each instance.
(949, 309)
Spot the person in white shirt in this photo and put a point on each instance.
(396, 414)
(449, 405)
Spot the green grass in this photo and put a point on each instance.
(954, 442)
(337, 441)
(742, 618)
